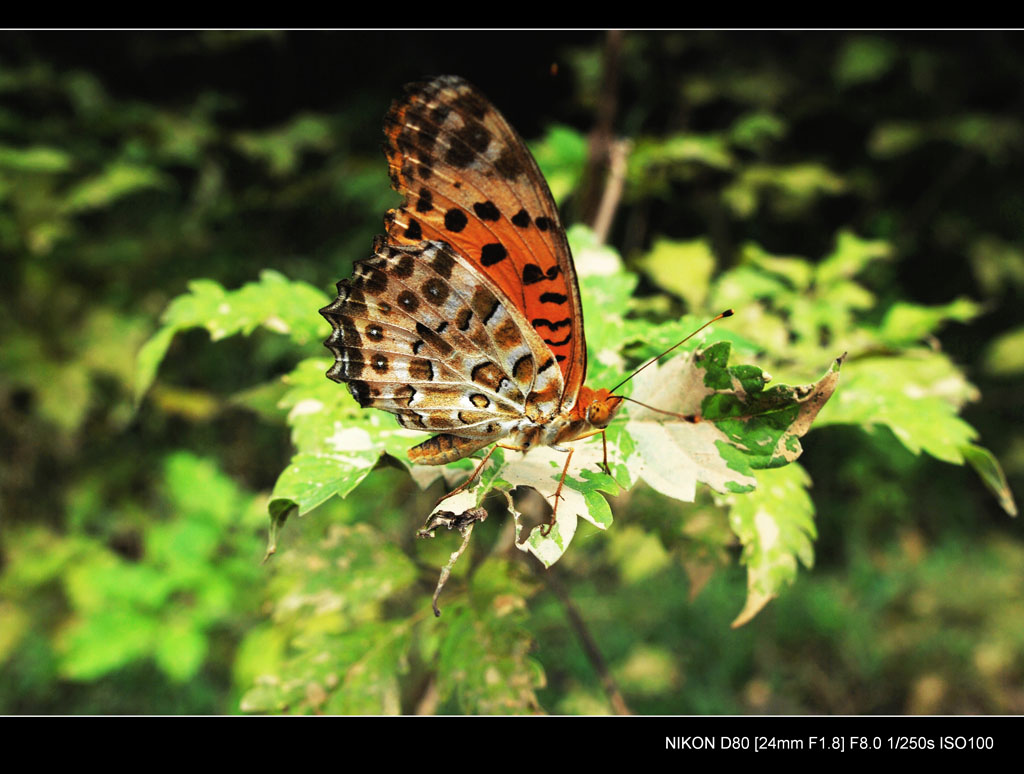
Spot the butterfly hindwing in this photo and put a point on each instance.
(417, 333)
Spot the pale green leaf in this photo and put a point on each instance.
(35, 159)
(350, 568)
(775, 524)
(281, 149)
(683, 268)
(726, 424)
(850, 256)
(1004, 356)
(788, 189)
(907, 323)
(180, 649)
(118, 180)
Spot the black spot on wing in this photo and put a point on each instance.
(493, 253)
(425, 203)
(510, 163)
(404, 267)
(360, 391)
(486, 210)
(540, 321)
(435, 291)
(442, 264)
(408, 301)
(436, 342)
(532, 273)
(561, 343)
(455, 220)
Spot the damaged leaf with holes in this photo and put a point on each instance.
(726, 424)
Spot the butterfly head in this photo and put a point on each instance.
(603, 408)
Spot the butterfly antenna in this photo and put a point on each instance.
(687, 417)
(716, 318)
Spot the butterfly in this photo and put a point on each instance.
(467, 322)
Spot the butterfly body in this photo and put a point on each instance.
(466, 321)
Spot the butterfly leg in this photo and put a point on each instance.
(604, 446)
(546, 529)
(461, 487)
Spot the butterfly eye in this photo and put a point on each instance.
(600, 412)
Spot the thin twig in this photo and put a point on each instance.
(617, 155)
(429, 699)
(588, 642)
(601, 137)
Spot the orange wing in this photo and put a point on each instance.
(469, 180)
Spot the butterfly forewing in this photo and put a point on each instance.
(469, 180)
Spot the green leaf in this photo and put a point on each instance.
(339, 659)
(356, 672)
(105, 641)
(17, 623)
(373, 570)
(907, 323)
(118, 180)
(994, 137)
(757, 131)
(337, 443)
(35, 159)
(281, 149)
(606, 290)
(916, 394)
(149, 359)
(654, 164)
(775, 524)
(850, 257)
(799, 273)
(683, 268)
(483, 660)
(1004, 356)
(988, 467)
(561, 155)
(865, 59)
(180, 649)
(790, 190)
(726, 424)
(275, 303)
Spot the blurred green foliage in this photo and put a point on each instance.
(844, 192)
